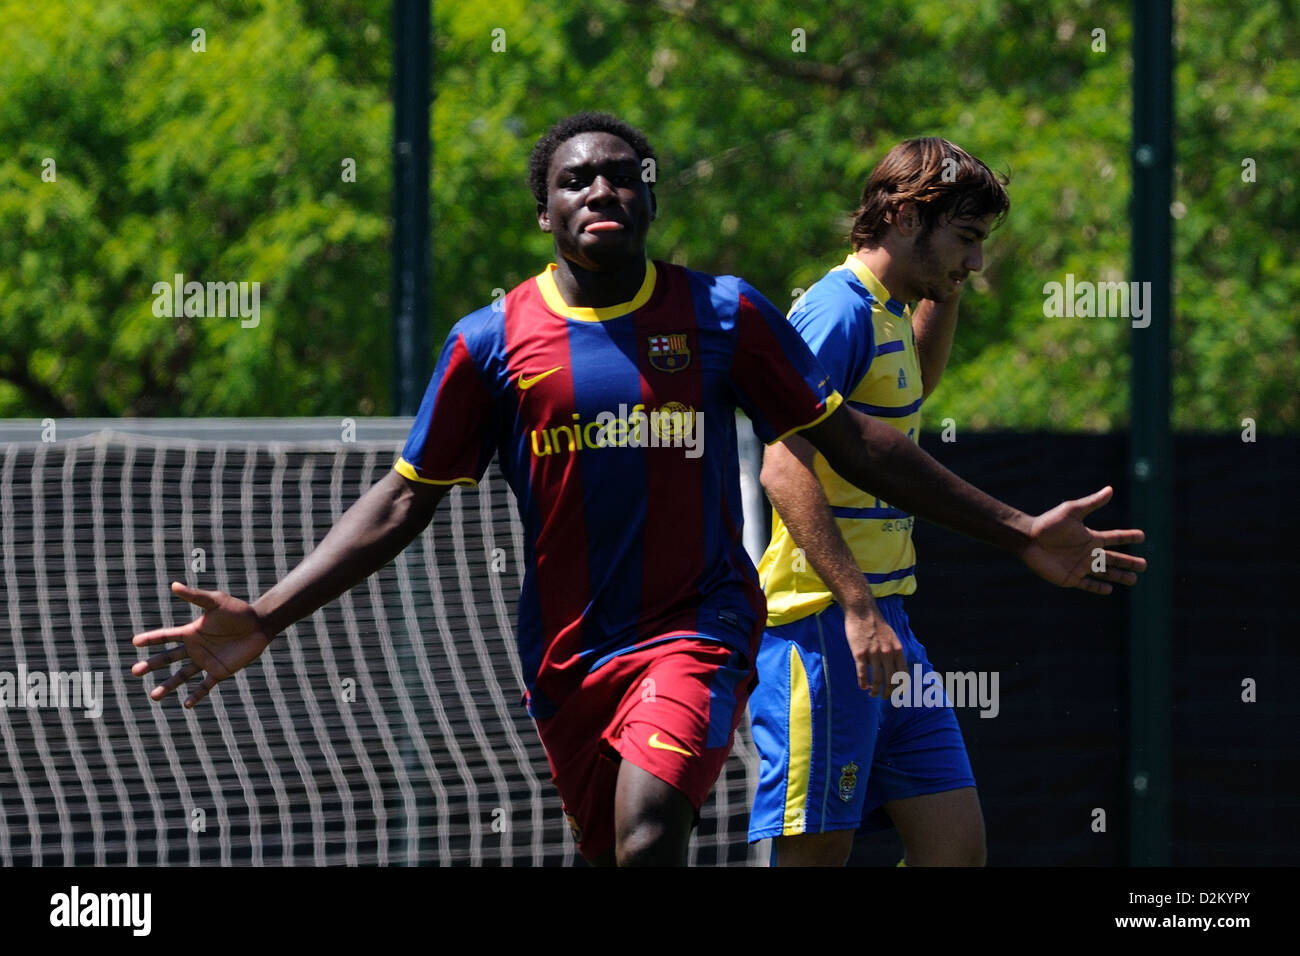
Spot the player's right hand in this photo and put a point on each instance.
(876, 649)
(222, 641)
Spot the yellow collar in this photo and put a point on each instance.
(555, 302)
(868, 279)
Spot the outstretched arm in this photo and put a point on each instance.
(882, 460)
(231, 633)
(1056, 545)
(377, 528)
(793, 488)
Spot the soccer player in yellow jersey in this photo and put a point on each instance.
(835, 751)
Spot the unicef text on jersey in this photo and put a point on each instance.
(673, 425)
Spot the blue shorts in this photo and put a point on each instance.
(830, 754)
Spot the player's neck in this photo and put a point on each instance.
(884, 265)
(597, 290)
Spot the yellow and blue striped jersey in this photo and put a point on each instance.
(863, 338)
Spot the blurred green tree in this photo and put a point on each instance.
(226, 165)
(222, 165)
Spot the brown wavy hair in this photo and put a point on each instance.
(913, 172)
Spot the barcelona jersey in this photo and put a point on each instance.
(863, 337)
(615, 427)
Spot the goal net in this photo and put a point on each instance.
(386, 729)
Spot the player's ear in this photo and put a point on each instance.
(906, 218)
(543, 217)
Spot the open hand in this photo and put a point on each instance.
(222, 641)
(1064, 551)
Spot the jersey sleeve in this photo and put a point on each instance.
(837, 327)
(453, 437)
(778, 381)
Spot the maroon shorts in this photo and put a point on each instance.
(671, 709)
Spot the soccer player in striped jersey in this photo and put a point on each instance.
(606, 387)
(835, 751)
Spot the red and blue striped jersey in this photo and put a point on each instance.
(616, 430)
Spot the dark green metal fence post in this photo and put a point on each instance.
(411, 254)
(1151, 449)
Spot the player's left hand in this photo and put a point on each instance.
(876, 649)
(1066, 552)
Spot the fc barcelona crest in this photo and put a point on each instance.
(848, 781)
(669, 353)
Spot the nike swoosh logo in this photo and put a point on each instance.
(525, 382)
(658, 744)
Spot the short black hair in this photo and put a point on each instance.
(539, 162)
